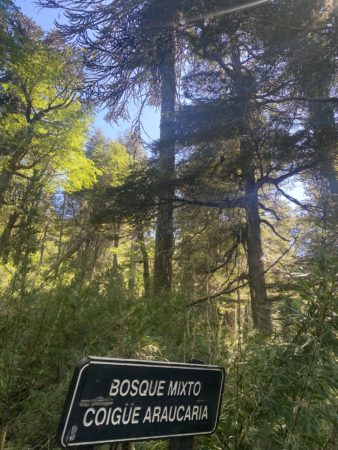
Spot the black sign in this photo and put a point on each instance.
(112, 400)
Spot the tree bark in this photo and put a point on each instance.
(5, 181)
(260, 306)
(132, 268)
(188, 272)
(94, 253)
(261, 313)
(145, 262)
(22, 144)
(164, 239)
(7, 174)
(325, 138)
(5, 239)
(116, 246)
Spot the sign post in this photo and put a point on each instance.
(113, 400)
(183, 443)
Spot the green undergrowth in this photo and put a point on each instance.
(279, 392)
(44, 336)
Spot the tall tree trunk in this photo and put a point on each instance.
(116, 246)
(5, 181)
(260, 306)
(132, 268)
(15, 156)
(5, 239)
(145, 262)
(94, 255)
(164, 240)
(7, 175)
(325, 138)
(188, 272)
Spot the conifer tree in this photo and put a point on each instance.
(234, 92)
(130, 53)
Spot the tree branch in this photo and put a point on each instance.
(270, 210)
(266, 222)
(71, 250)
(230, 291)
(292, 199)
(289, 27)
(298, 99)
(21, 175)
(222, 204)
(281, 178)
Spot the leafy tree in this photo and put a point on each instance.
(43, 127)
(44, 83)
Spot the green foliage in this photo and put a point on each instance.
(70, 323)
(48, 123)
(111, 158)
(279, 393)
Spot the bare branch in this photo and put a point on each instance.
(270, 210)
(292, 199)
(234, 289)
(266, 222)
(85, 234)
(227, 257)
(285, 176)
(21, 175)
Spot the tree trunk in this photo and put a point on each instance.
(94, 255)
(132, 268)
(261, 313)
(164, 240)
(7, 174)
(83, 255)
(325, 138)
(86, 233)
(5, 181)
(43, 242)
(5, 239)
(145, 262)
(188, 272)
(260, 306)
(116, 246)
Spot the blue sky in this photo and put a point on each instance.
(45, 18)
